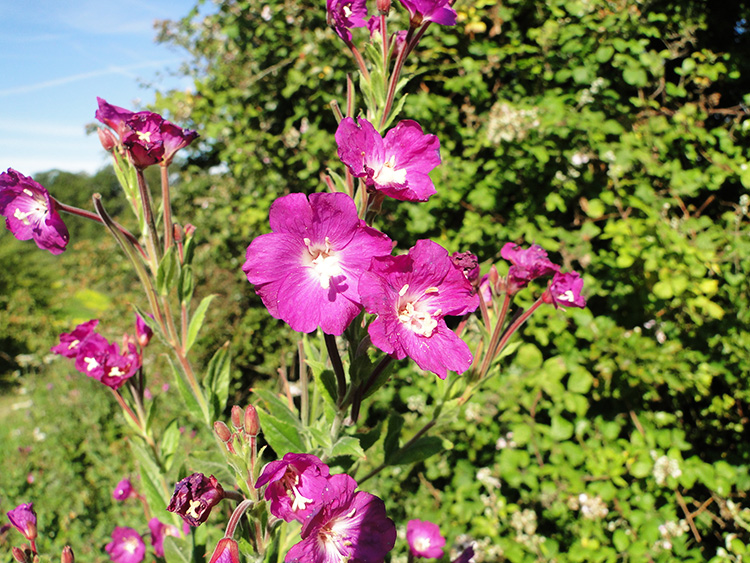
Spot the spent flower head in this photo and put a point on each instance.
(526, 265)
(306, 271)
(398, 165)
(30, 212)
(194, 497)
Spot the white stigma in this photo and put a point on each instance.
(420, 322)
(91, 363)
(299, 502)
(388, 174)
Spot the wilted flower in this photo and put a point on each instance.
(126, 546)
(468, 263)
(295, 485)
(306, 271)
(527, 264)
(30, 212)
(123, 490)
(424, 539)
(23, 519)
(565, 289)
(158, 532)
(437, 11)
(70, 342)
(346, 14)
(348, 526)
(194, 497)
(398, 165)
(411, 294)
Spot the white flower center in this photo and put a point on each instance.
(130, 545)
(323, 261)
(38, 209)
(298, 501)
(388, 174)
(91, 363)
(567, 296)
(422, 544)
(144, 136)
(116, 372)
(414, 315)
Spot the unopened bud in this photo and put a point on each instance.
(252, 424)
(237, 417)
(107, 139)
(178, 232)
(383, 6)
(189, 230)
(20, 555)
(67, 555)
(222, 431)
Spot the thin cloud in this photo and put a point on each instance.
(123, 70)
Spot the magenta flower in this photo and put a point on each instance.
(194, 497)
(411, 294)
(23, 518)
(527, 264)
(147, 136)
(348, 526)
(466, 556)
(437, 11)
(158, 532)
(143, 332)
(226, 551)
(346, 14)
(565, 290)
(104, 362)
(126, 546)
(113, 116)
(123, 490)
(30, 212)
(398, 165)
(373, 26)
(424, 539)
(306, 271)
(295, 485)
(70, 342)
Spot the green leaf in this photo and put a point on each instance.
(280, 435)
(197, 321)
(151, 477)
(561, 429)
(185, 285)
(217, 379)
(191, 403)
(420, 450)
(348, 446)
(392, 437)
(168, 269)
(278, 406)
(170, 441)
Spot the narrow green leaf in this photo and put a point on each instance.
(216, 383)
(170, 441)
(347, 446)
(280, 435)
(395, 111)
(177, 550)
(391, 442)
(419, 451)
(197, 321)
(191, 403)
(278, 407)
(185, 285)
(150, 322)
(167, 271)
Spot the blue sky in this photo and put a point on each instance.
(56, 57)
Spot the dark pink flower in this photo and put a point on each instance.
(104, 362)
(466, 556)
(398, 165)
(123, 490)
(295, 485)
(226, 551)
(113, 116)
(373, 26)
(126, 546)
(424, 539)
(194, 497)
(23, 519)
(468, 263)
(70, 342)
(411, 294)
(527, 264)
(438, 11)
(159, 531)
(143, 332)
(346, 14)
(30, 212)
(348, 526)
(565, 290)
(306, 271)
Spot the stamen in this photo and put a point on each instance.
(403, 290)
(432, 289)
(28, 192)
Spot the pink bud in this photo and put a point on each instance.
(107, 139)
(237, 416)
(67, 555)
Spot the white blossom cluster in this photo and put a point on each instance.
(508, 123)
(664, 467)
(592, 508)
(670, 530)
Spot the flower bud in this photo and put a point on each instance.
(23, 519)
(252, 424)
(107, 139)
(189, 230)
(237, 417)
(20, 555)
(123, 490)
(67, 555)
(383, 6)
(178, 232)
(143, 332)
(226, 551)
(222, 431)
